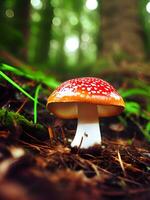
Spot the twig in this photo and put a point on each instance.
(80, 145)
(121, 164)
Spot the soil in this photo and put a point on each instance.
(37, 162)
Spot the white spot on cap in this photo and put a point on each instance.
(93, 84)
(104, 93)
(93, 92)
(65, 92)
(114, 95)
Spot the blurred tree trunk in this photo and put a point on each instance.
(120, 28)
(21, 24)
(2, 22)
(60, 61)
(78, 9)
(13, 23)
(44, 33)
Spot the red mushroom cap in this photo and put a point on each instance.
(63, 101)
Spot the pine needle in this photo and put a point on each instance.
(121, 164)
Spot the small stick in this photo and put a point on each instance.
(22, 105)
(63, 136)
(80, 145)
(51, 134)
(121, 164)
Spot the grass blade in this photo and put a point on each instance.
(33, 75)
(133, 92)
(36, 102)
(16, 85)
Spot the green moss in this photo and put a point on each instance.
(12, 120)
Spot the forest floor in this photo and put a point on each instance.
(37, 163)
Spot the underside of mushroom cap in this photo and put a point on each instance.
(70, 111)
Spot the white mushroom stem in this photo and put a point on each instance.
(88, 129)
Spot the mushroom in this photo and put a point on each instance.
(86, 99)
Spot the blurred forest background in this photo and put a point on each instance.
(78, 37)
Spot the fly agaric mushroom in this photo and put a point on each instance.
(86, 99)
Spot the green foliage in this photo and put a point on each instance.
(146, 114)
(135, 92)
(33, 75)
(132, 108)
(135, 109)
(147, 128)
(37, 76)
(147, 131)
(35, 99)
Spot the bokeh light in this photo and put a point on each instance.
(56, 21)
(72, 44)
(36, 17)
(148, 7)
(9, 13)
(37, 4)
(91, 4)
(73, 20)
(85, 37)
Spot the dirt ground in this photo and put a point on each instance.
(37, 162)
